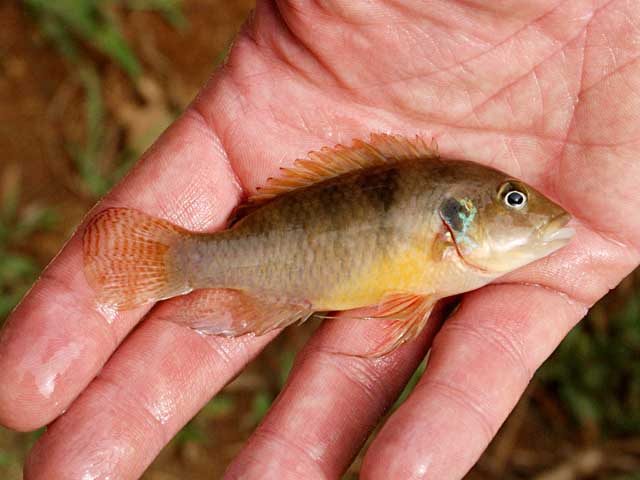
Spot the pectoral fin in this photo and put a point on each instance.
(231, 313)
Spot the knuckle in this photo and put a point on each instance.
(475, 405)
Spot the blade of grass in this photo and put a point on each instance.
(67, 21)
(171, 10)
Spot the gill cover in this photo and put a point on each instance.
(459, 216)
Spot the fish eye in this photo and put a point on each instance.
(515, 199)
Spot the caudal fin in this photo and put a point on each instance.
(130, 258)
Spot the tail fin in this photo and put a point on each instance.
(130, 258)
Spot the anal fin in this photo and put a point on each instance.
(229, 312)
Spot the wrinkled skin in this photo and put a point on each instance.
(543, 89)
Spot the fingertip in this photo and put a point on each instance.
(43, 366)
(24, 411)
(58, 455)
(17, 423)
(22, 407)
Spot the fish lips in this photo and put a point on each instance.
(556, 232)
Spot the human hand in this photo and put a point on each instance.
(546, 90)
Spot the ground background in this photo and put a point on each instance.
(85, 87)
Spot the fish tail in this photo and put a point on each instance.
(131, 258)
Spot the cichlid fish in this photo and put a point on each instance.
(386, 223)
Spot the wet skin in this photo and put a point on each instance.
(544, 90)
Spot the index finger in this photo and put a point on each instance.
(58, 338)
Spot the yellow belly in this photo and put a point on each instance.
(405, 271)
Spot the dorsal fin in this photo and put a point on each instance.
(327, 163)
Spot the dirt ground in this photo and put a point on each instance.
(55, 159)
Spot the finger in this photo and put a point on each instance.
(155, 382)
(480, 363)
(58, 337)
(304, 416)
(330, 403)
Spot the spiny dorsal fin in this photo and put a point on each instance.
(332, 162)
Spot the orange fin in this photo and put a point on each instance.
(327, 163)
(408, 315)
(405, 315)
(229, 312)
(128, 258)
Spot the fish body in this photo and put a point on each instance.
(343, 243)
(386, 223)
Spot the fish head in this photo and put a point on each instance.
(501, 223)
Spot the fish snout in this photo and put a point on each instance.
(557, 230)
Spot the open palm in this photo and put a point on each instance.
(544, 89)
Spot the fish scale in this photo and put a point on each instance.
(384, 224)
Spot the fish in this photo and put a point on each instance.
(385, 223)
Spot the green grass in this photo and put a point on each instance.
(631, 476)
(96, 176)
(75, 25)
(86, 155)
(78, 28)
(191, 432)
(7, 458)
(260, 405)
(287, 357)
(411, 384)
(596, 372)
(170, 9)
(18, 268)
(219, 406)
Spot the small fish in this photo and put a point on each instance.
(385, 223)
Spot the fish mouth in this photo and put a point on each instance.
(556, 231)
